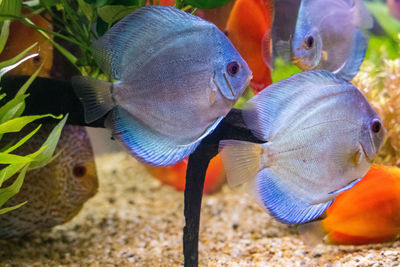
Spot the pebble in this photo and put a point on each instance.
(134, 221)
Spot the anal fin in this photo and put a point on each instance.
(283, 202)
(146, 145)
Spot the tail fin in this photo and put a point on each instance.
(95, 96)
(241, 160)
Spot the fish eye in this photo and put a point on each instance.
(376, 126)
(233, 68)
(308, 42)
(79, 170)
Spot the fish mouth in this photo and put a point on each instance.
(296, 60)
(300, 63)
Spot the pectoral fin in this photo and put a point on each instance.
(241, 160)
(95, 96)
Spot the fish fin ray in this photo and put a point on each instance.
(312, 233)
(356, 57)
(95, 96)
(140, 26)
(146, 145)
(283, 202)
(241, 160)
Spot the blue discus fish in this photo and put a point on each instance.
(177, 77)
(328, 36)
(321, 136)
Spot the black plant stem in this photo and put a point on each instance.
(195, 176)
(57, 97)
(232, 127)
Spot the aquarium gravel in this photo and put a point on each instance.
(136, 221)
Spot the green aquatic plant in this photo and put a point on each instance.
(12, 122)
(380, 84)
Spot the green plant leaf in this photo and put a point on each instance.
(111, 14)
(7, 172)
(11, 8)
(45, 156)
(86, 8)
(12, 108)
(22, 141)
(28, 83)
(5, 31)
(98, 3)
(381, 13)
(32, 3)
(206, 4)
(2, 211)
(7, 192)
(48, 3)
(6, 158)
(381, 47)
(16, 124)
(62, 50)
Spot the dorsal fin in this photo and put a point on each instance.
(140, 28)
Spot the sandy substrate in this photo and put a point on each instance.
(136, 221)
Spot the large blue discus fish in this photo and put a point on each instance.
(177, 77)
(328, 36)
(321, 137)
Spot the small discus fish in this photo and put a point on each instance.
(178, 76)
(367, 213)
(248, 27)
(321, 135)
(57, 191)
(328, 36)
